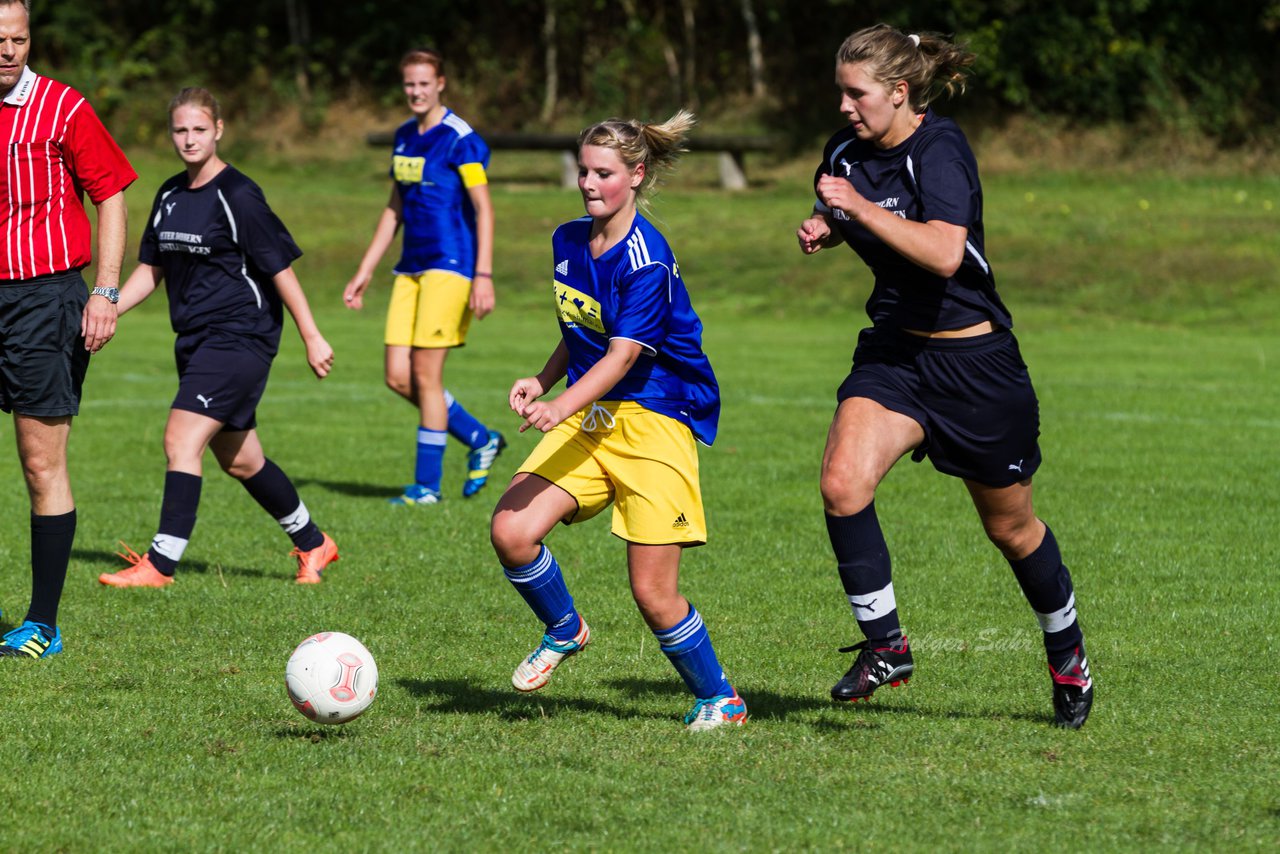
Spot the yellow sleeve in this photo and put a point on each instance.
(472, 175)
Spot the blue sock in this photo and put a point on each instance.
(430, 458)
(463, 426)
(688, 646)
(542, 586)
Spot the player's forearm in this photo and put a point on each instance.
(556, 367)
(936, 246)
(601, 377)
(484, 233)
(141, 283)
(383, 235)
(113, 226)
(290, 290)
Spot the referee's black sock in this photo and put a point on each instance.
(863, 559)
(51, 539)
(1046, 583)
(273, 490)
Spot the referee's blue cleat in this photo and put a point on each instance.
(479, 461)
(31, 640)
(415, 495)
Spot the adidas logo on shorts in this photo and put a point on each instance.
(563, 268)
(680, 522)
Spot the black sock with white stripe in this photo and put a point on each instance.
(1046, 583)
(273, 490)
(177, 520)
(863, 559)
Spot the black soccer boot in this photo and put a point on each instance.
(887, 661)
(1072, 691)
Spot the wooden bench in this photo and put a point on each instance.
(731, 150)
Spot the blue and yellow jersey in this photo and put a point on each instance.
(433, 171)
(634, 291)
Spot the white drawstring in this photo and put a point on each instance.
(597, 418)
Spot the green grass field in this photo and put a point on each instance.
(1147, 308)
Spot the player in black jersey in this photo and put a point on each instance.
(225, 259)
(938, 374)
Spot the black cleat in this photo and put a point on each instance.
(1072, 692)
(888, 661)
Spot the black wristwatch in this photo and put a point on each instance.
(111, 294)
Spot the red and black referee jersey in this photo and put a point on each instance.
(56, 150)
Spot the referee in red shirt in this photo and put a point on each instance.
(55, 152)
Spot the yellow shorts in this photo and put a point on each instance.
(643, 462)
(429, 310)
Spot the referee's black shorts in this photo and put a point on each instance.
(972, 396)
(42, 356)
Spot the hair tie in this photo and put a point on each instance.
(915, 39)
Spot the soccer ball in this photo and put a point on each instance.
(331, 678)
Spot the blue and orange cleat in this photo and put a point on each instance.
(534, 672)
(714, 712)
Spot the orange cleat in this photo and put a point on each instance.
(311, 563)
(140, 573)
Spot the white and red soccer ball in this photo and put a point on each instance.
(331, 678)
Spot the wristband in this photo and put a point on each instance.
(482, 275)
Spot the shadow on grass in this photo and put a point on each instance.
(111, 562)
(763, 704)
(458, 695)
(355, 490)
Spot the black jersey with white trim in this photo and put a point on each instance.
(219, 245)
(932, 175)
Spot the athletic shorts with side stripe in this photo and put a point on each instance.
(972, 396)
(43, 361)
(429, 310)
(645, 463)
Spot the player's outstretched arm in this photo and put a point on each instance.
(383, 233)
(319, 353)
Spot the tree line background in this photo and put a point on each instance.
(746, 65)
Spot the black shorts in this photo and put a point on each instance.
(972, 396)
(220, 377)
(42, 356)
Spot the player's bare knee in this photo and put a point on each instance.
(1014, 536)
(844, 495)
(511, 542)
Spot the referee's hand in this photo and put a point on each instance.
(98, 324)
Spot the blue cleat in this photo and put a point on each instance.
(479, 461)
(415, 495)
(32, 640)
